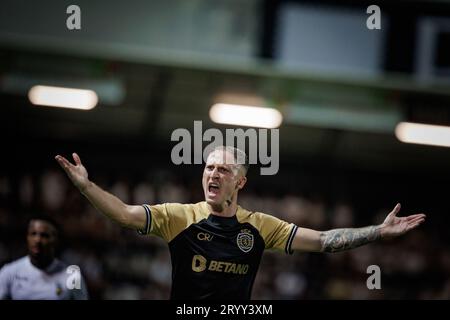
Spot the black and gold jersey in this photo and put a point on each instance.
(215, 257)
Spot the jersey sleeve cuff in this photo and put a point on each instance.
(288, 248)
(148, 221)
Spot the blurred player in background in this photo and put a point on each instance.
(39, 275)
(216, 245)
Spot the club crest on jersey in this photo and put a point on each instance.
(245, 240)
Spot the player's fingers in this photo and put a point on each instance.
(63, 161)
(414, 225)
(395, 210)
(418, 216)
(76, 158)
(418, 220)
(414, 216)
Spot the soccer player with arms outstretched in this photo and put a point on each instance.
(216, 245)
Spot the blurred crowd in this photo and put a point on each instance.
(120, 264)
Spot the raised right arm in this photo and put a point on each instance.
(126, 215)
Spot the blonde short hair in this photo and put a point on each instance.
(240, 156)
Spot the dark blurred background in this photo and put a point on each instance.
(159, 65)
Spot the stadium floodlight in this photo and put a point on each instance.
(423, 134)
(81, 99)
(248, 116)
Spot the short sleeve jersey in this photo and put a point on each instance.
(215, 257)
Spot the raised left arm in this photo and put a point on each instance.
(348, 238)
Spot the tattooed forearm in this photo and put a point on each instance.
(343, 239)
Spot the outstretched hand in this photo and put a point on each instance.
(394, 226)
(77, 173)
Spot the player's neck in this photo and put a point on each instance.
(41, 263)
(224, 211)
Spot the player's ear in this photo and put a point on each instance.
(242, 182)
